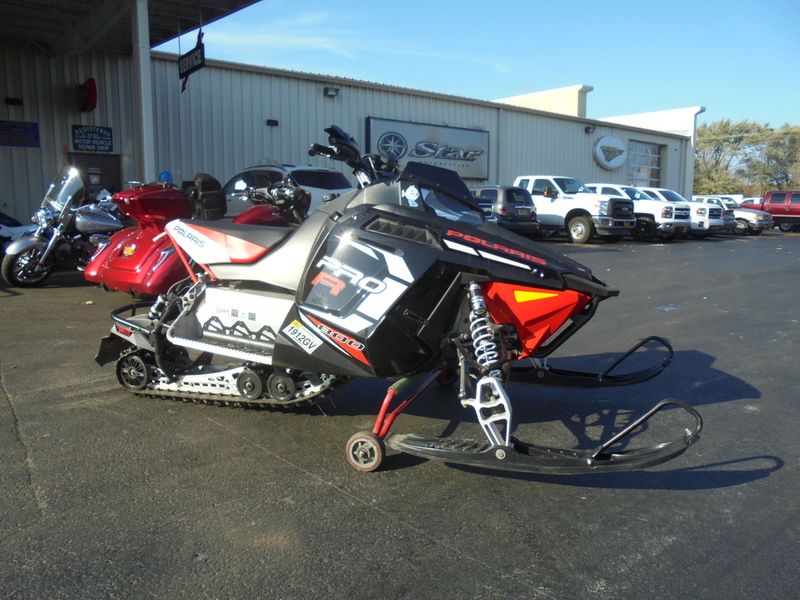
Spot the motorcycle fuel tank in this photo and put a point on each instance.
(94, 219)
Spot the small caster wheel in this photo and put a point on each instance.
(365, 451)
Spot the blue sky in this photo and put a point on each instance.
(740, 59)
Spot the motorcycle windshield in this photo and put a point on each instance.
(65, 191)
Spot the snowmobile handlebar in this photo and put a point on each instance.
(369, 168)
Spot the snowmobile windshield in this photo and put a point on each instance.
(66, 190)
(440, 191)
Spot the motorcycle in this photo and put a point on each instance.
(66, 229)
(141, 260)
(400, 279)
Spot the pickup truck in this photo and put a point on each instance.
(654, 217)
(705, 219)
(749, 221)
(784, 206)
(566, 204)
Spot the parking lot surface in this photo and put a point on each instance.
(108, 495)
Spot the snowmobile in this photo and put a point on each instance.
(400, 279)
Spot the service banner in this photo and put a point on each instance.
(465, 151)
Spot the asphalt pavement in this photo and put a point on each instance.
(106, 495)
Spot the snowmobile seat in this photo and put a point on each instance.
(265, 236)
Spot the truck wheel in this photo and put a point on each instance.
(645, 230)
(742, 227)
(785, 227)
(579, 230)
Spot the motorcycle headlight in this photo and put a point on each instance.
(42, 217)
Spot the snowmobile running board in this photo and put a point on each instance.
(529, 458)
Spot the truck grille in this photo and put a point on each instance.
(681, 212)
(714, 213)
(621, 209)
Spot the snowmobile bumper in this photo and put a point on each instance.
(129, 330)
(542, 374)
(529, 458)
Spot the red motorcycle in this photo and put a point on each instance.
(141, 260)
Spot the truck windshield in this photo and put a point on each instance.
(571, 186)
(673, 196)
(635, 194)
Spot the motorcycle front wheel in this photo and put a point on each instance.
(19, 269)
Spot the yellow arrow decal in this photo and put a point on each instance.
(525, 296)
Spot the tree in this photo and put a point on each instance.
(746, 157)
(777, 163)
(721, 152)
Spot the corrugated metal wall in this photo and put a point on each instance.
(218, 125)
(223, 114)
(48, 88)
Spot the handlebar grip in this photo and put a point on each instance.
(319, 149)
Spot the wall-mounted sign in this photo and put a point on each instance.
(91, 138)
(609, 152)
(465, 151)
(22, 134)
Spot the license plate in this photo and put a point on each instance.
(128, 250)
(523, 211)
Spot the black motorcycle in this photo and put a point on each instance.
(401, 279)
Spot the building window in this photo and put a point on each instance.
(644, 164)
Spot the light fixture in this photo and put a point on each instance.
(589, 129)
(272, 122)
(331, 92)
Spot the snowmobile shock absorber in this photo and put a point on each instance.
(157, 309)
(491, 403)
(481, 329)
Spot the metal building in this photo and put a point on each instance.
(231, 116)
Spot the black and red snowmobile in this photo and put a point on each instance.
(400, 279)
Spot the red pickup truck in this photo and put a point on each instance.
(784, 207)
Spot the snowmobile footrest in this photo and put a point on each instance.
(529, 458)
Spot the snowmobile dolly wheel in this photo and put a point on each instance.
(365, 451)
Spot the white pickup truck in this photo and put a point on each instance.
(705, 219)
(749, 221)
(654, 217)
(566, 204)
